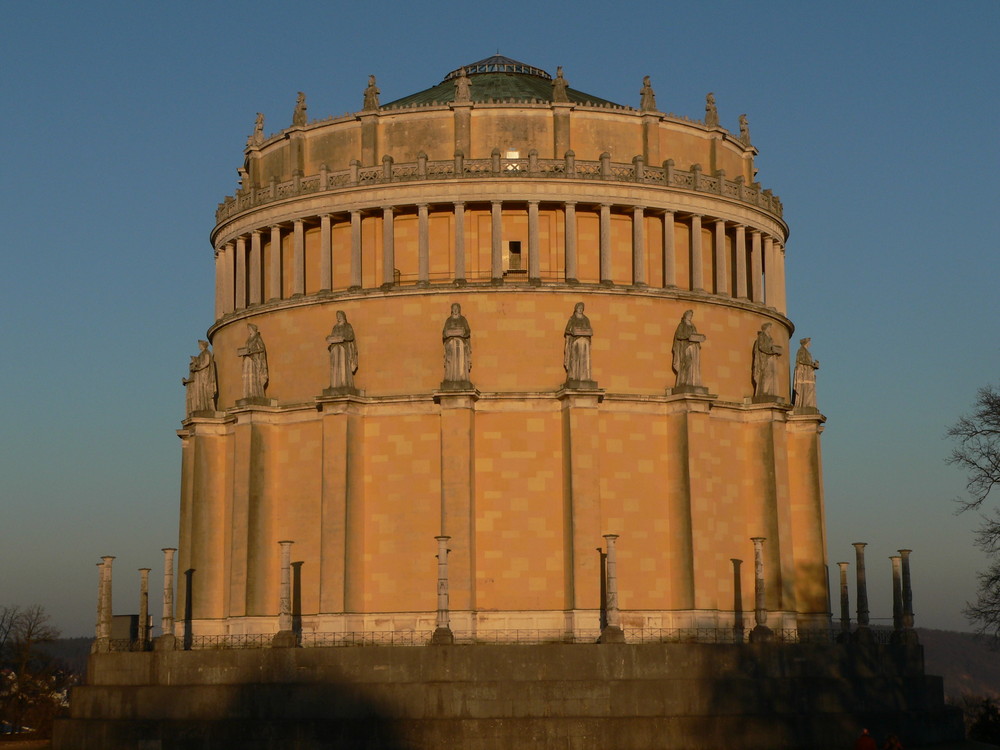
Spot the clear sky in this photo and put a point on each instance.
(124, 123)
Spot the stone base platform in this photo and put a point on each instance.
(765, 696)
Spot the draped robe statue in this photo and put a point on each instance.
(576, 348)
(765, 364)
(202, 386)
(686, 359)
(343, 353)
(804, 379)
(457, 338)
(254, 356)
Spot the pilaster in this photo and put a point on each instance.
(458, 492)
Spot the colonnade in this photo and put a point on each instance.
(743, 262)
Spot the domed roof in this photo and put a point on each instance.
(496, 78)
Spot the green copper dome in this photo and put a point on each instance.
(497, 78)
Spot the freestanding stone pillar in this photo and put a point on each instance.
(845, 601)
(285, 637)
(442, 631)
(760, 632)
(909, 634)
(143, 608)
(897, 595)
(612, 632)
(863, 634)
(167, 639)
(738, 626)
(103, 642)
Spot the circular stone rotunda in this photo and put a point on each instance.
(500, 362)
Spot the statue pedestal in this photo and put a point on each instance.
(612, 634)
(343, 390)
(457, 385)
(679, 390)
(284, 639)
(761, 634)
(442, 637)
(580, 385)
(257, 401)
(766, 398)
(165, 642)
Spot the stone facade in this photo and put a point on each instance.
(516, 211)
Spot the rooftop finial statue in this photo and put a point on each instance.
(258, 130)
(576, 349)
(687, 354)
(299, 115)
(202, 385)
(765, 365)
(255, 375)
(711, 111)
(463, 87)
(343, 354)
(559, 87)
(804, 379)
(744, 130)
(647, 97)
(371, 95)
(457, 339)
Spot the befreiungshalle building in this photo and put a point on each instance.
(500, 361)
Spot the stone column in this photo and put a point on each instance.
(220, 275)
(669, 258)
(496, 231)
(907, 591)
(845, 601)
(897, 594)
(143, 608)
(104, 607)
(697, 261)
(355, 250)
(167, 620)
(756, 269)
(570, 234)
(388, 249)
(760, 631)
(738, 625)
(778, 277)
(423, 245)
(274, 277)
(638, 246)
(612, 632)
(298, 257)
(721, 261)
(325, 254)
(605, 246)
(255, 270)
(770, 273)
(534, 262)
(241, 273)
(228, 277)
(442, 631)
(285, 637)
(863, 632)
(460, 243)
(741, 261)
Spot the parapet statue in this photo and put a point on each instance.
(744, 130)
(343, 354)
(576, 349)
(463, 87)
(299, 115)
(687, 354)
(559, 87)
(258, 130)
(647, 98)
(711, 111)
(255, 376)
(371, 95)
(804, 379)
(765, 365)
(202, 385)
(457, 338)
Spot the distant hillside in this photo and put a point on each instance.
(969, 666)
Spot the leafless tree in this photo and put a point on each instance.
(977, 453)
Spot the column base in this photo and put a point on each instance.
(285, 639)
(442, 637)
(612, 634)
(766, 398)
(863, 636)
(256, 401)
(580, 385)
(460, 282)
(761, 634)
(165, 642)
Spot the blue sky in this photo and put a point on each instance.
(123, 126)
